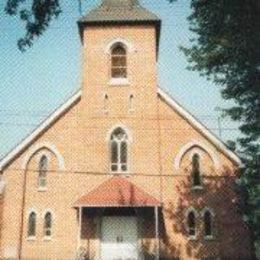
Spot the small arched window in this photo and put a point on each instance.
(47, 224)
(31, 231)
(105, 105)
(207, 219)
(196, 171)
(43, 168)
(118, 61)
(191, 223)
(131, 103)
(119, 150)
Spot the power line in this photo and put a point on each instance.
(130, 174)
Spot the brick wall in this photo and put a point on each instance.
(1, 206)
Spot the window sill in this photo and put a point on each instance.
(47, 239)
(197, 188)
(119, 81)
(31, 238)
(42, 189)
(208, 238)
(192, 238)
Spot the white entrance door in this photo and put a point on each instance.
(119, 238)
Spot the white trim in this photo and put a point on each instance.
(188, 211)
(124, 127)
(119, 81)
(29, 212)
(198, 152)
(213, 215)
(199, 144)
(128, 141)
(191, 209)
(125, 43)
(199, 126)
(79, 229)
(198, 187)
(39, 130)
(2, 185)
(48, 146)
(32, 238)
(47, 238)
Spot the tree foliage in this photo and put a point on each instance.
(37, 17)
(225, 49)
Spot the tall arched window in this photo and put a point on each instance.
(31, 231)
(118, 61)
(119, 150)
(43, 167)
(207, 219)
(196, 171)
(191, 223)
(47, 224)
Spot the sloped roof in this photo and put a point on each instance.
(117, 192)
(119, 11)
(39, 130)
(167, 98)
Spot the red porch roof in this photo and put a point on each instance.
(117, 192)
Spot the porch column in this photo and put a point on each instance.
(157, 253)
(79, 228)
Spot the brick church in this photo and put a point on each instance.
(120, 170)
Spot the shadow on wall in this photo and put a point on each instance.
(230, 235)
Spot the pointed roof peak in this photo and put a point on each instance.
(120, 3)
(119, 11)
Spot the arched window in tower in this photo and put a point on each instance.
(43, 168)
(119, 150)
(191, 223)
(207, 219)
(118, 61)
(47, 225)
(196, 171)
(31, 231)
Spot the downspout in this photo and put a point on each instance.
(24, 184)
(160, 176)
(2, 189)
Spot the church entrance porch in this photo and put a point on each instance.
(123, 227)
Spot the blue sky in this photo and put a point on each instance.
(35, 82)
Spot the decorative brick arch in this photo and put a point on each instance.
(125, 43)
(191, 144)
(52, 148)
(125, 128)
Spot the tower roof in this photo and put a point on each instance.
(122, 12)
(119, 11)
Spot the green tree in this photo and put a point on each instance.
(37, 17)
(226, 49)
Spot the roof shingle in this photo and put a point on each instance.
(119, 11)
(117, 192)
